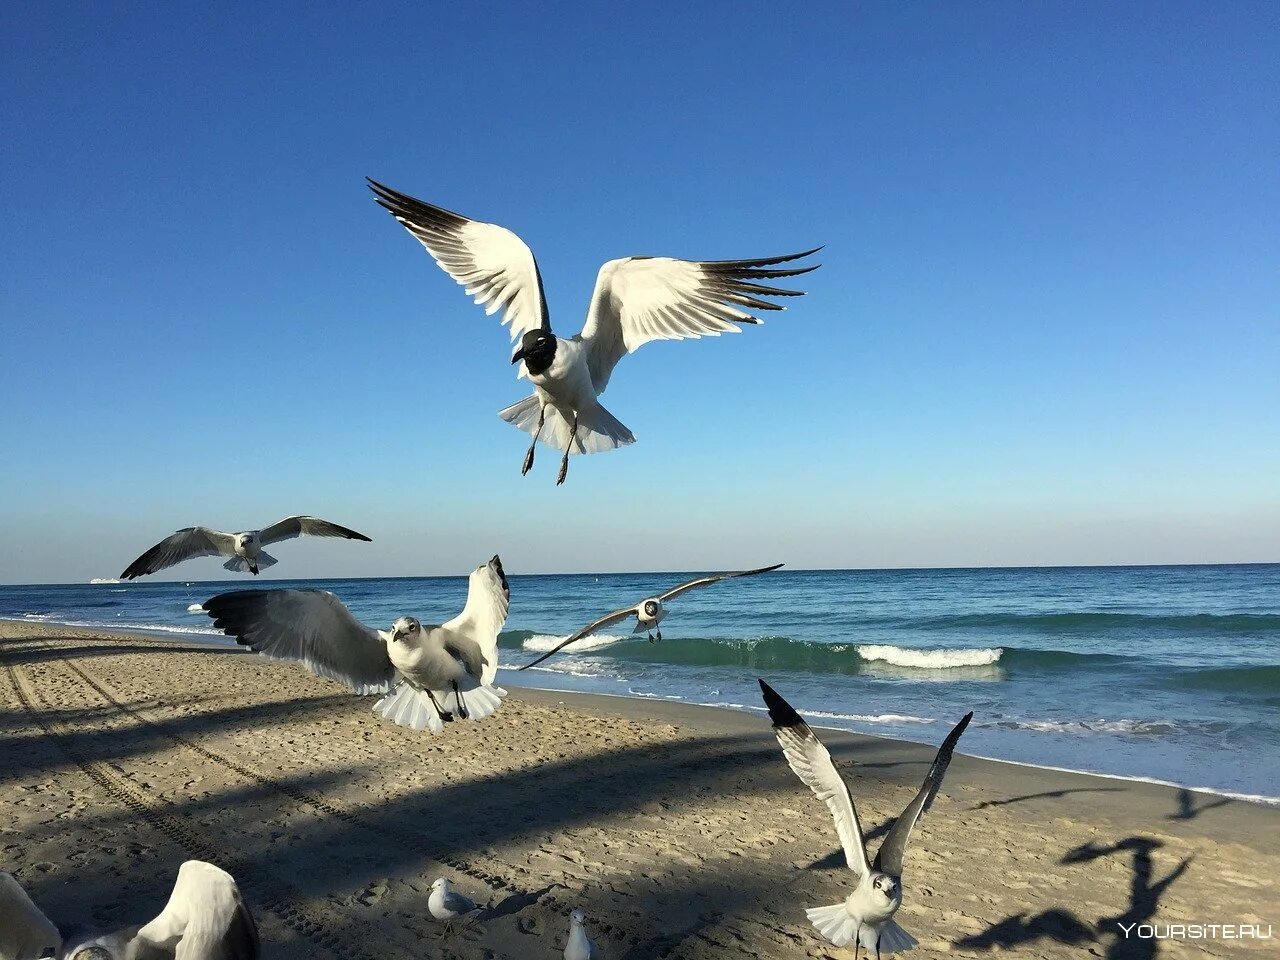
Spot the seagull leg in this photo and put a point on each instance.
(659, 633)
(564, 463)
(445, 715)
(528, 457)
(462, 707)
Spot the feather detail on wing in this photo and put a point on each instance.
(24, 929)
(310, 627)
(811, 762)
(186, 543)
(291, 527)
(494, 265)
(712, 578)
(639, 299)
(485, 614)
(205, 918)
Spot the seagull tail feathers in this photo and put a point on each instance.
(835, 923)
(480, 702)
(241, 565)
(406, 706)
(598, 429)
(893, 939)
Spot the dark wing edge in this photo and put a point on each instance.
(301, 525)
(714, 578)
(147, 563)
(586, 631)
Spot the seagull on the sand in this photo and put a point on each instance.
(867, 914)
(649, 612)
(636, 300)
(579, 946)
(448, 905)
(430, 674)
(244, 549)
(205, 919)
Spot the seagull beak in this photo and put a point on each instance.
(518, 356)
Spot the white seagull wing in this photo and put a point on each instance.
(712, 578)
(494, 265)
(892, 851)
(485, 613)
(605, 621)
(811, 762)
(639, 299)
(291, 527)
(24, 929)
(311, 627)
(183, 545)
(205, 918)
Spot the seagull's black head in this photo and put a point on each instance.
(537, 350)
(651, 608)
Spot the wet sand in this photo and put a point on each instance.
(679, 830)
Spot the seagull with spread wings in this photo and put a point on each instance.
(636, 300)
(205, 919)
(244, 549)
(866, 914)
(429, 674)
(648, 613)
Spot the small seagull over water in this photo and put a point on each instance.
(448, 905)
(430, 674)
(636, 300)
(648, 613)
(244, 549)
(867, 914)
(579, 946)
(205, 919)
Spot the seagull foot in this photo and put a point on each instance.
(564, 472)
(446, 716)
(528, 462)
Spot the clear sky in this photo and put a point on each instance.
(1047, 328)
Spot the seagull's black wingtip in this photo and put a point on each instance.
(780, 712)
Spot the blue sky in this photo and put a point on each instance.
(1046, 329)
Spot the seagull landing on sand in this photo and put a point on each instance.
(430, 674)
(205, 919)
(244, 549)
(867, 914)
(636, 300)
(648, 613)
(579, 946)
(448, 905)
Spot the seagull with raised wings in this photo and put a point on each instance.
(205, 919)
(244, 549)
(649, 612)
(429, 674)
(636, 300)
(866, 915)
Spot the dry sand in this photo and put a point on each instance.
(679, 830)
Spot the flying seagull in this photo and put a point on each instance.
(205, 919)
(867, 914)
(648, 613)
(448, 905)
(636, 300)
(244, 549)
(579, 946)
(429, 674)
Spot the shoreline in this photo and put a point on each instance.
(677, 827)
(181, 635)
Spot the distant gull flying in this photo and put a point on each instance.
(430, 674)
(244, 549)
(866, 914)
(648, 613)
(205, 919)
(636, 300)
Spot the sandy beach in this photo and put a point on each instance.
(679, 830)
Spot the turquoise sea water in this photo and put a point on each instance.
(1170, 673)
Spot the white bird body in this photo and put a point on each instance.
(649, 613)
(579, 946)
(636, 300)
(447, 905)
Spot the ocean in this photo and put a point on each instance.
(1165, 673)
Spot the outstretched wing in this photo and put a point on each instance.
(24, 929)
(713, 578)
(889, 857)
(490, 262)
(186, 543)
(639, 299)
(205, 918)
(606, 620)
(310, 627)
(291, 527)
(482, 619)
(812, 764)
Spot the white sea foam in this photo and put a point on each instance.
(1089, 726)
(899, 718)
(542, 642)
(930, 659)
(104, 580)
(196, 608)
